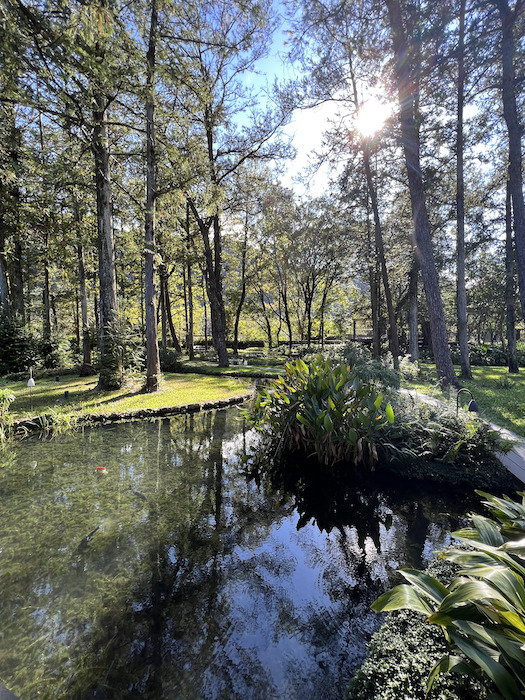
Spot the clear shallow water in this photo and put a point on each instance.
(172, 576)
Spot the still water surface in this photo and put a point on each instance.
(172, 576)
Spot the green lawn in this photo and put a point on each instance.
(499, 395)
(254, 368)
(176, 390)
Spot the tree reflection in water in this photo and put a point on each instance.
(197, 583)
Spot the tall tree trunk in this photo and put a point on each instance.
(189, 334)
(242, 297)
(374, 286)
(17, 279)
(46, 298)
(4, 285)
(86, 369)
(378, 232)
(150, 292)
(461, 290)
(213, 262)
(514, 129)
(266, 319)
(423, 241)
(413, 333)
(509, 287)
(169, 318)
(163, 278)
(110, 358)
(380, 251)
(12, 219)
(46, 303)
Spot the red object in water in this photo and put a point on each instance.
(101, 469)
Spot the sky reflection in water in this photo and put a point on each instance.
(172, 576)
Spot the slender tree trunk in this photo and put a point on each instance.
(169, 317)
(509, 288)
(110, 359)
(17, 279)
(380, 250)
(189, 335)
(213, 261)
(16, 275)
(205, 316)
(461, 290)
(46, 302)
(163, 278)
(4, 286)
(150, 292)
(266, 320)
(423, 241)
(242, 297)
(378, 233)
(46, 299)
(510, 112)
(374, 286)
(413, 333)
(86, 369)
(322, 310)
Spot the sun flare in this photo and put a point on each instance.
(372, 117)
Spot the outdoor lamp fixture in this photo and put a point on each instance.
(472, 405)
(31, 384)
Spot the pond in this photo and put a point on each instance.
(171, 575)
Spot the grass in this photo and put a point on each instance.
(256, 368)
(84, 399)
(500, 396)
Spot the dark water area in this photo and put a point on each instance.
(172, 576)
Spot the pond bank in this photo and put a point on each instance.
(23, 426)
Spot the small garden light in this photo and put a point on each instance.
(472, 405)
(31, 384)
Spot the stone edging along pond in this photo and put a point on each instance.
(47, 420)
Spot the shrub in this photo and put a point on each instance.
(432, 442)
(322, 409)
(482, 610)
(403, 652)
(170, 360)
(18, 350)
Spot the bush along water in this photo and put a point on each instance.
(321, 410)
(432, 442)
(402, 654)
(334, 411)
(482, 610)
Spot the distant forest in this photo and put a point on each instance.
(141, 203)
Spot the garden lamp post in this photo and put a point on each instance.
(31, 384)
(472, 405)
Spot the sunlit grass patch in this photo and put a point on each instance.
(83, 397)
(499, 395)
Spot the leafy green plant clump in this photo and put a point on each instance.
(482, 610)
(322, 409)
(432, 442)
(403, 652)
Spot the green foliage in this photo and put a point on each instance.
(380, 373)
(483, 356)
(170, 360)
(482, 610)
(322, 409)
(124, 353)
(18, 350)
(432, 442)
(6, 399)
(402, 654)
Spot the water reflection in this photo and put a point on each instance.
(173, 576)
